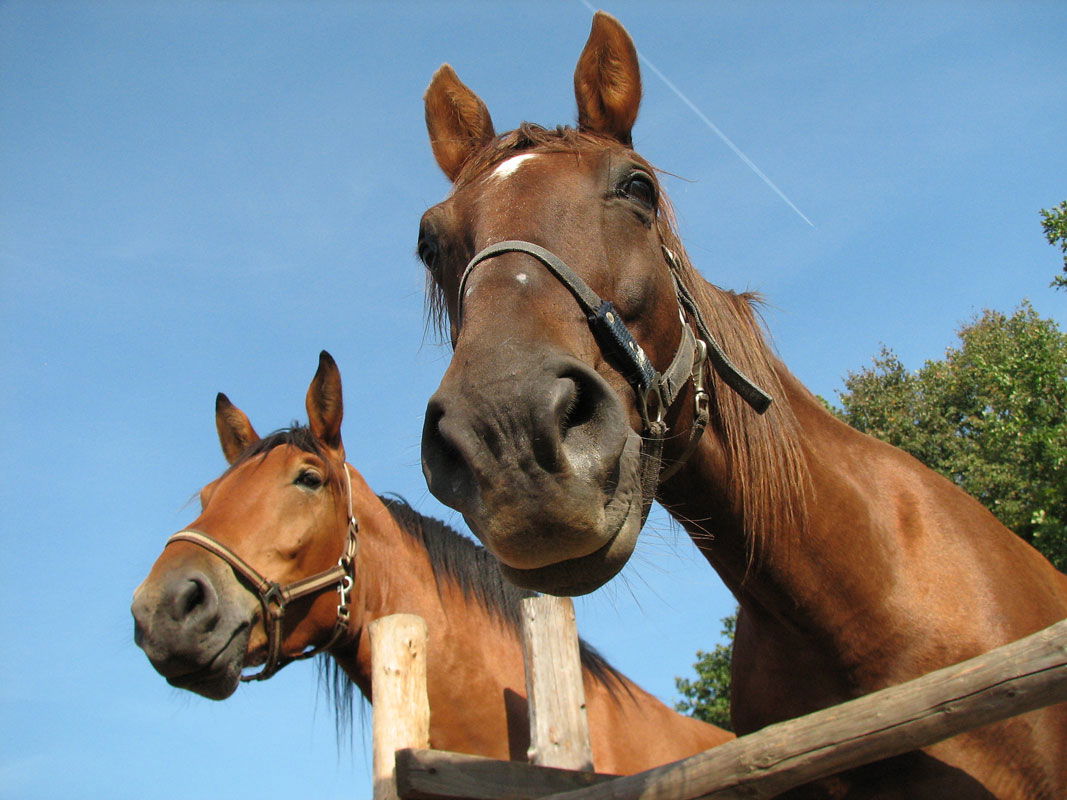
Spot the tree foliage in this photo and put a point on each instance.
(991, 416)
(1054, 223)
(708, 697)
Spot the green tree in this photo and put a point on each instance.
(708, 697)
(1054, 223)
(991, 416)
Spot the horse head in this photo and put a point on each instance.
(555, 263)
(249, 582)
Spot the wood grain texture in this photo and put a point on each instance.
(559, 727)
(436, 775)
(401, 707)
(1028, 674)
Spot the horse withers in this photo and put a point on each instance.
(595, 369)
(289, 509)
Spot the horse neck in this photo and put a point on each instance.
(472, 652)
(873, 520)
(744, 490)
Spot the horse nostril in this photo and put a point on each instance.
(584, 412)
(192, 597)
(581, 403)
(443, 465)
(566, 410)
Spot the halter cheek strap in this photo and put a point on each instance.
(275, 597)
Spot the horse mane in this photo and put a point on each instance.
(769, 484)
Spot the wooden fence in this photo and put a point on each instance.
(1025, 675)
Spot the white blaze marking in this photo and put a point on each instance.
(522, 277)
(506, 168)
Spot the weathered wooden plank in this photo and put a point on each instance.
(401, 708)
(436, 775)
(559, 728)
(1022, 676)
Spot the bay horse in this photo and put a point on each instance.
(594, 369)
(286, 508)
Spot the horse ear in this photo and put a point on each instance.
(607, 81)
(235, 431)
(457, 119)
(324, 404)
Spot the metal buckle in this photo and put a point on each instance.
(654, 425)
(671, 256)
(274, 599)
(344, 586)
(701, 397)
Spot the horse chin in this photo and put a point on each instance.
(222, 675)
(584, 574)
(577, 576)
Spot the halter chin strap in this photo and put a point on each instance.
(655, 391)
(275, 597)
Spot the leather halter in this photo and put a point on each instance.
(655, 391)
(275, 597)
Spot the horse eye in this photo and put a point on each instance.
(427, 251)
(640, 187)
(309, 479)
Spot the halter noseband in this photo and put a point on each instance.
(655, 391)
(274, 597)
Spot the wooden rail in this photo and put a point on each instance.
(438, 775)
(1019, 677)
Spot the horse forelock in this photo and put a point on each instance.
(298, 436)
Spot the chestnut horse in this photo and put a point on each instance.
(580, 330)
(282, 510)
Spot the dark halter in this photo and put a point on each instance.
(656, 391)
(274, 597)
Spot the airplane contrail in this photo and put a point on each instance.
(715, 129)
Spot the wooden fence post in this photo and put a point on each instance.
(401, 708)
(559, 728)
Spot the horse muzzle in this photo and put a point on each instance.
(192, 634)
(544, 467)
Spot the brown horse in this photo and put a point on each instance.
(856, 567)
(281, 509)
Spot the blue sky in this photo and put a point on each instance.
(198, 197)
